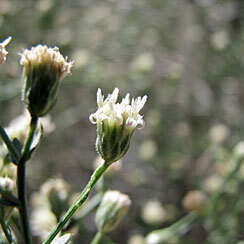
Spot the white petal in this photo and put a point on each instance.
(141, 103)
(99, 98)
(114, 95)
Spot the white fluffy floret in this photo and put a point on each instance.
(125, 112)
(43, 54)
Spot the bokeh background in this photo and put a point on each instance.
(187, 56)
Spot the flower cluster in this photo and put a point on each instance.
(3, 52)
(44, 67)
(116, 123)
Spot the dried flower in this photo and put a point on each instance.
(3, 52)
(43, 69)
(116, 123)
(112, 210)
(194, 201)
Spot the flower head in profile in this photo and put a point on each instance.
(112, 210)
(3, 52)
(116, 123)
(43, 69)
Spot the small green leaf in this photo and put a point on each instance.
(63, 239)
(37, 139)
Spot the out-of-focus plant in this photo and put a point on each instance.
(217, 209)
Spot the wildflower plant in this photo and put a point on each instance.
(43, 69)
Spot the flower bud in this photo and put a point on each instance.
(57, 192)
(3, 52)
(112, 210)
(116, 123)
(43, 68)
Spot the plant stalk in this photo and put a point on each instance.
(7, 232)
(80, 200)
(21, 182)
(98, 237)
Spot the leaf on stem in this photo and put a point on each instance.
(37, 139)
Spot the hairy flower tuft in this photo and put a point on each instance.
(116, 123)
(3, 52)
(43, 69)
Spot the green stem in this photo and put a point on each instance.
(98, 237)
(183, 223)
(7, 232)
(11, 148)
(80, 200)
(86, 209)
(21, 184)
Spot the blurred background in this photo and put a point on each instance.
(187, 56)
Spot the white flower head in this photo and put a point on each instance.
(121, 113)
(116, 123)
(44, 55)
(3, 52)
(43, 69)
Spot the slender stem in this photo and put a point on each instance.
(21, 184)
(183, 223)
(80, 200)
(97, 238)
(7, 232)
(86, 209)
(14, 153)
(91, 204)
